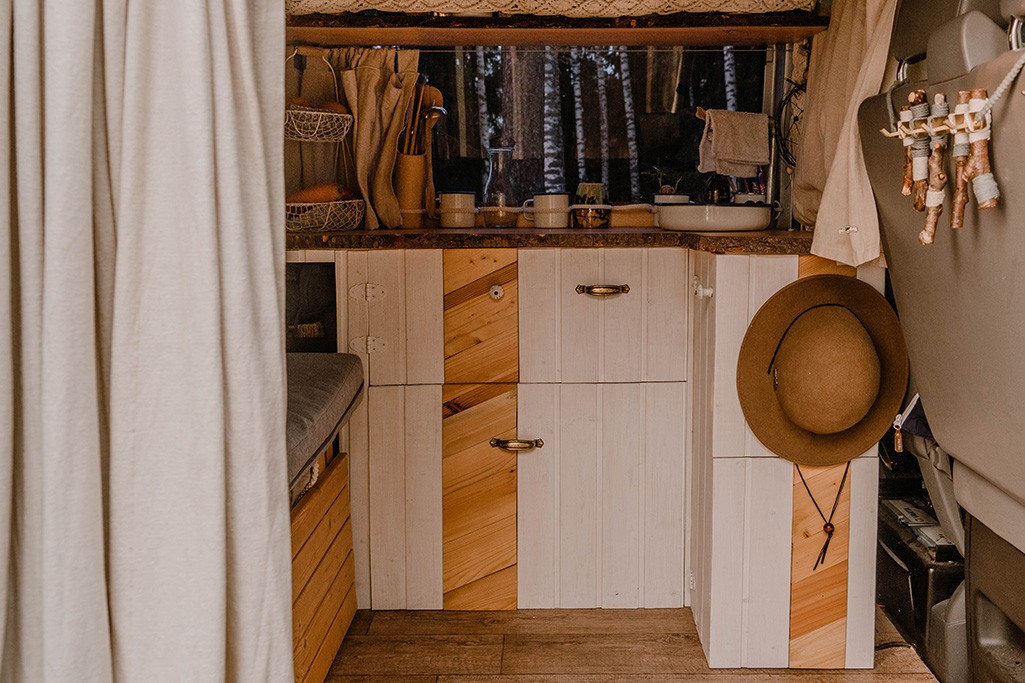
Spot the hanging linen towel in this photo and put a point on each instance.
(734, 143)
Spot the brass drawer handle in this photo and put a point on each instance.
(602, 290)
(517, 444)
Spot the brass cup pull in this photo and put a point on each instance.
(602, 290)
(517, 444)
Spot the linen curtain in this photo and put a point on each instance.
(831, 188)
(143, 499)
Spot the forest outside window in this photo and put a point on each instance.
(617, 115)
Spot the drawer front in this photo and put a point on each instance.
(571, 330)
(481, 305)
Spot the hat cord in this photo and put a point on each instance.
(827, 526)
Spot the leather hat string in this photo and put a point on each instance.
(827, 526)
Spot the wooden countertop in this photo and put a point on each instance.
(760, 242)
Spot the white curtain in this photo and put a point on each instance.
(143, 507)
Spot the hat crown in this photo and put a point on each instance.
(826, 372)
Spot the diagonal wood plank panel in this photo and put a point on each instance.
(481, 324)
(479, 497)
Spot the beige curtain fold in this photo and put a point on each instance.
(143, 498)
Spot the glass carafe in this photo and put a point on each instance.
(500, 206)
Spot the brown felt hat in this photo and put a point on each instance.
(822, 370)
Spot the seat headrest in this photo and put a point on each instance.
(1012, 8)
(916, 19)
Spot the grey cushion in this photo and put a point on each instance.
(323, 390)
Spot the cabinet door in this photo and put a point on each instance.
(389, 311)
(601, 506)
(570, 335)
(479, 486)
(481, 306)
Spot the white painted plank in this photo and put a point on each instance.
(623, 326)
(320, 256)
(578, 534)
(766, 276)
(425, 320)
(664, 412)
(768, 531)
(579, 343)
(387, 498)
(539, 328)
(621, 475)
(353, 310)
(295, 256)
(726, 616)
(873, 275)
(731, 319)
(359, 497)
(423, 507)
(537, 415)
(387, 317)
(861, 574)
(667, 298)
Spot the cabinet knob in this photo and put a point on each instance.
(701, 291)
(517, 444)
(602, 290)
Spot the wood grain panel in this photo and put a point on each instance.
(304, 564)
(481, 333)
(307, 514)
(810, 264)
(818, 597)
(479, 497)
(315, 649)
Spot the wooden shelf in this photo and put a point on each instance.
(694, 30)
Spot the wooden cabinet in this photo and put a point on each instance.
(756, 599)
(463, 346)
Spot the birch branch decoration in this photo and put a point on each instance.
(909, 179)
(960, 153)
(937, 181)
(984, 184)
(919, 149)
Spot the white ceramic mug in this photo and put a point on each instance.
(457, 210)
(548, 210)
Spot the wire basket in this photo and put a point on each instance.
(346, 214)
(316, 125)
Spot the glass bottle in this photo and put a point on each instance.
(500, 206)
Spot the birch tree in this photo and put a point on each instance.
(553, 144)
(483, 119)
(575, 58)
(729, 70)
(631, 123)
(603, 112)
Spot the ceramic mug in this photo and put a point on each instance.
(457, 209)
(550, 210)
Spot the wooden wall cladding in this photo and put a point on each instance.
(481, 313)
(479, 497)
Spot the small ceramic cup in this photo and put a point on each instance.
(457, 210)
(549, 210)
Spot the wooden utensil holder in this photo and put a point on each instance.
(409, 178)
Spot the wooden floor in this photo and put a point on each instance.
(564, 646)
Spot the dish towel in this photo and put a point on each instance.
(735, 143)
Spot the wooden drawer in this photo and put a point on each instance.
(568, 335)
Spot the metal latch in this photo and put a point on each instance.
(367, 291)
(367, 345)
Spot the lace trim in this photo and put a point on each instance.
(568, 8)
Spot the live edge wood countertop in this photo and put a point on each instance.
(773, 242)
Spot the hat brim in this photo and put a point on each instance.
(754, 381)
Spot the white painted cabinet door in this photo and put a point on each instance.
(390, 304)
(601, 505)
(396, 499)
(571, 337)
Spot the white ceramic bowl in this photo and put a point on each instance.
(672, 199)
(712, 217)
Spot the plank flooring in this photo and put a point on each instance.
(570, 646)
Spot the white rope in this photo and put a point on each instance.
(1002, 88)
